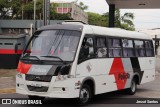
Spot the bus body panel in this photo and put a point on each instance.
(112, 74)
(148, 67)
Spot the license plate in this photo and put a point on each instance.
(36, 84)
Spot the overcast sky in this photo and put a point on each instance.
(144, 18)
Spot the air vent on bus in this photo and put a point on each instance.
(37, 89)
(42, 78)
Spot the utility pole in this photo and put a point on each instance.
(35, 15)
(22, 8)
(22, 12)
(46, 12)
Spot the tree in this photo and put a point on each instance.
(97, 19)
(10, 9)
(29, 9)
(124, 21)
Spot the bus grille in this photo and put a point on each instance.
(37, 89)
(42, 78)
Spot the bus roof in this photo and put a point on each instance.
(90, 29)
(116, 32)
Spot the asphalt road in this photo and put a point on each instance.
(112, 99)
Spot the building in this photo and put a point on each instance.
(69, 7)
(152, 32)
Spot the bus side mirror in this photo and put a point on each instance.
(16, 47)
(65, 69)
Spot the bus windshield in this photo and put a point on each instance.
(55, 44)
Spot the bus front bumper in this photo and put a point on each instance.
(56, 89)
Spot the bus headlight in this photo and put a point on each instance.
(19, 75)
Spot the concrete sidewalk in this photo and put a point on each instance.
(7, 85)
(7, 81)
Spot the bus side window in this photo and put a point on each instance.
(101, 47)
(149, 49)
(139, 48)
(115, 49)
(128, 50)
(87, 50)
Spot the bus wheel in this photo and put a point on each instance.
(133, 88)
(84, 95)
(35, 97)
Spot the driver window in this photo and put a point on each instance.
(87, 50)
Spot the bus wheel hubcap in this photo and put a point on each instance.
(133, 86)
(84, 95)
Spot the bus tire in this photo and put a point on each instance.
(133, 87)
(35, 97)
(85, 95)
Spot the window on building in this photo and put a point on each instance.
(59, 10)
(65, 10)
(59, 5)
(65, 5)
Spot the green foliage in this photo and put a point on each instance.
(9, 10)
(29, 9)
(53, 8)
(124, 21)
(14, 10)
(97, 19)
(58, 16)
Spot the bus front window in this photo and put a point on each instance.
(60, 44)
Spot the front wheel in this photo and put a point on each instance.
(84, 95)
(133, 88)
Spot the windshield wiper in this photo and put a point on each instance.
(54, 57)
(26, 58)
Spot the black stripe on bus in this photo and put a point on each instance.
(136, 67)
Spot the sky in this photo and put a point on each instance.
(144, 18)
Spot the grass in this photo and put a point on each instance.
(7, 72)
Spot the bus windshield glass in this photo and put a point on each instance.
(55, 44)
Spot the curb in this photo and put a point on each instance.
(7, 90)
